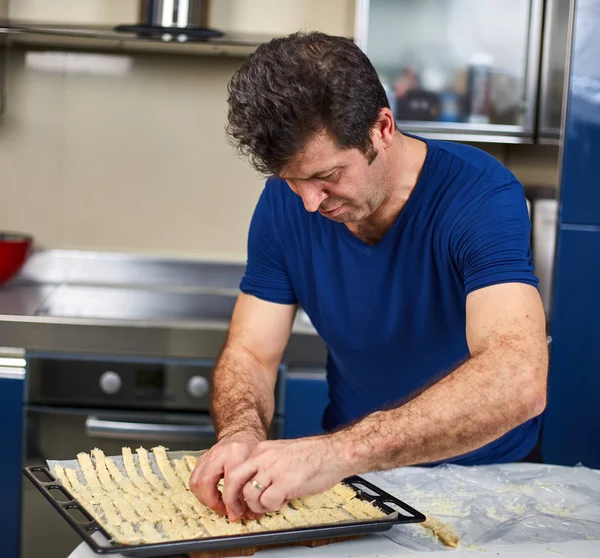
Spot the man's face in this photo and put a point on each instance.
(338, 183)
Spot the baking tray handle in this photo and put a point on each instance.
(52, 490)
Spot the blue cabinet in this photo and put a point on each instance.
(306, 397)
(572, 420)
(11, 428)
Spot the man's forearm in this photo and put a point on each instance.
(243, 394)
(476, 404)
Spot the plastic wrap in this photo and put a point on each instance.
(503, 504)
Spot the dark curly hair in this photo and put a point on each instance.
(294, 87)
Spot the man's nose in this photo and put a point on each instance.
(312, 197)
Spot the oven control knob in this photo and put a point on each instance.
(198, 386)
(110, 382)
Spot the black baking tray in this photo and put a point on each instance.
(83, 523)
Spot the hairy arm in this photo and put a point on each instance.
(243, 398)
(245, 376)
(502, 385)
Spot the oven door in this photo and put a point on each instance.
(61, 433)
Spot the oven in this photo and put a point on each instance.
(76, 403)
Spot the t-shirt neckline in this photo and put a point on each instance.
(371, 249)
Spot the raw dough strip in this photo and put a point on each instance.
(177, 498)
(87, 468)
(108, 517)
(442, 531)
(179, 493)
(312, 502)
(102, 472)
(110, 502)
(166, 469)
(81, 489)
(336, 498)
(182, 472)
(132, 473)
(147, 471)
(127, 511)
(253, 525)
(344, 491)
(295, 517)
(59, 473)
(190, 461)
(146, 506)
(363, 510)
(274, 522)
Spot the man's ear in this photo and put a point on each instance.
(384, 128)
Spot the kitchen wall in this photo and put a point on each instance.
(128, 153)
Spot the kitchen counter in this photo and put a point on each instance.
(514, 510)
(379, 546)
(69, 301)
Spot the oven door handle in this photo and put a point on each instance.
(122, 430)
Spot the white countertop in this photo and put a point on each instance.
(514, 510)
(379, 546)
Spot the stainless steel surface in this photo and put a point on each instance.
(565, 95)
(545, 224)
(118, 304)
(120, 430)
(553, 69)
(129, 270)
(85, 302)
(533, 63)
(23, 300)
(203, 340)
(174, 13)
(106, 38)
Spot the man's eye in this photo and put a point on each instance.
(328, 178)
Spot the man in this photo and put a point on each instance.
(412, 260)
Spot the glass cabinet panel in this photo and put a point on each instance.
(456, 66)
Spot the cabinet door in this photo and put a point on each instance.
(580, 183)
(11, 458)
(456, 69)
(306, 397)
(572, 419)
(554, 60)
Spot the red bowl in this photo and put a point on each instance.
(14, 251)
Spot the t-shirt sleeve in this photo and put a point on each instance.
(266, 275)
(491, 239)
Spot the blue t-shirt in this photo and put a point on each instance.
(392, 315)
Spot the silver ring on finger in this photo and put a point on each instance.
(257, 485)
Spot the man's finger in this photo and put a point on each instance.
(235, 479)
(203, 483)
(253, 498)
(273, 498)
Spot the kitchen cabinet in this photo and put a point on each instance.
(572, 419)
(12, 379)
(306, 397)
(571, 426)
(457, 69)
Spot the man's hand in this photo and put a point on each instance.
(215, 464)
(282, 470)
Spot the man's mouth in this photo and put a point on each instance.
(331, 212)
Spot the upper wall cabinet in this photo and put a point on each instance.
(457, 69)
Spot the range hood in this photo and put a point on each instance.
(167, 20)
(165, 26)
